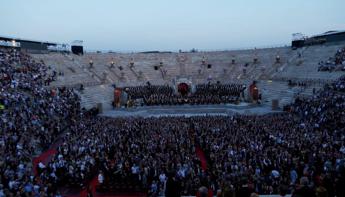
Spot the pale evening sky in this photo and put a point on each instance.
(139, 25)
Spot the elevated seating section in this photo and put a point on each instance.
(218, 66)
(306, 66)
(93, 95)
(72, 72)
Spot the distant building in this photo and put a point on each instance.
(300, 40)
(32, 46)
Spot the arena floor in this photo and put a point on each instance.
(191, 110)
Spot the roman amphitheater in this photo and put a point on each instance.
(239, 66)
(263, 122)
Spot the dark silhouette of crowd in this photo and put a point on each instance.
(264, 154)
(137, 92)
(299, 83)
(336, 63)
(31, 118)
(203, 94)
(301, 151)
(339, 85)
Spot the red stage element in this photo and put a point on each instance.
(254, 91)
(117, 96)
(183, 88)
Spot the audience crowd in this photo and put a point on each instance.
(203, 94)
(334, 63)
(31, 118)
(299, 83)
(301, 151)
(339, 85)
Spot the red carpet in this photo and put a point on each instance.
(92, 185)
(44, 157)
(202, 158)
(201, 155)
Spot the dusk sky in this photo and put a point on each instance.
(139, 25)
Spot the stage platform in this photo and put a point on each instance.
(191, 110)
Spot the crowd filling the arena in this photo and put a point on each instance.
(300, 151)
